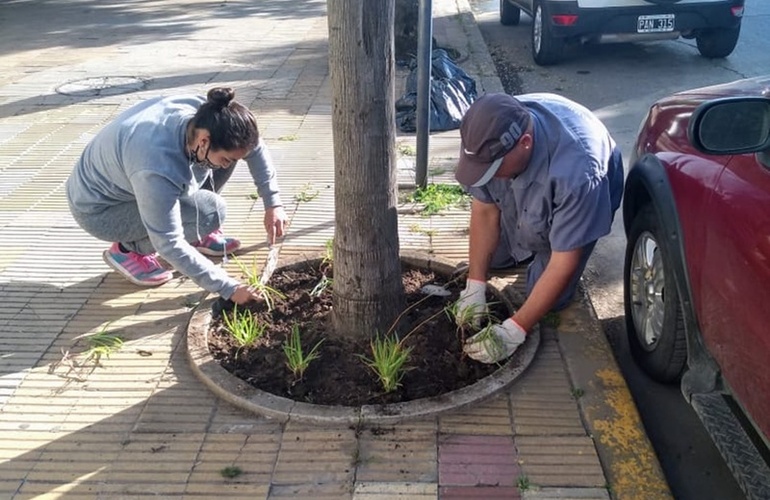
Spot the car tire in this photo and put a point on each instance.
(717, 43)
(546, 49)
(653, 310)
(510, 15)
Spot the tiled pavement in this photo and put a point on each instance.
(139, 424)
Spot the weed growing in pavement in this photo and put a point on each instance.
(291, 137)
(552, 319)
(406, 149)
(418, 229)
(296, 359)
(231, 471)
(438, 197)
(254, 196)
(245, 328)
(523, 483)
(578, 393)
(252, 275)
(307, 193)
(99, 344)
(102, 344)
(389, 355)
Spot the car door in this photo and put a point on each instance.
(735, 287)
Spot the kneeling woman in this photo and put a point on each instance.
(149, 183)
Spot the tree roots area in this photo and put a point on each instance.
(341, 374)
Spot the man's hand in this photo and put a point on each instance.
(495, 342)
(275, 223)
(472, 304)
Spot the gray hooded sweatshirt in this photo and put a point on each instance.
(141, 156)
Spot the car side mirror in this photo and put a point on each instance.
(733, 125)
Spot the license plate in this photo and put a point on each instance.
(659, 23)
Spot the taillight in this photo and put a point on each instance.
(564, 20)
(737, 11)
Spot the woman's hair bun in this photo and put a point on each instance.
(220, 97)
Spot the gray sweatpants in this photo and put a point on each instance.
(202, 213)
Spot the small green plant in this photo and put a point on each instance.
(102, 344)
(231, 471)
(406, 149)
(290, 137)
(464, 318)
(578, 393)
(389, 355)
(438, 197)
(254, 196)
(418, 229)
(296, 359)
(552, 319)
(323, 284)
(269, 294)
(328, 257)
(99, 344)
(245, 328)
(523, 483)
(307, 193)
(494, 344)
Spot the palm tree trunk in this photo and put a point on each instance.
(368, 291)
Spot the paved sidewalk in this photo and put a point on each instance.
(140, 424)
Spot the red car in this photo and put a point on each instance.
(696, 210)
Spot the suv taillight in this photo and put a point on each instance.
(564, 20)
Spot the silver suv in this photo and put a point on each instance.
(715, 24)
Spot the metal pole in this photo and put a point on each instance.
(424, 49)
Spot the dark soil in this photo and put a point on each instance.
(340, 377)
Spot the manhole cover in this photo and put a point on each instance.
(102, 86)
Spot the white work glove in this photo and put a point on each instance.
(495, 342)
(472, 304)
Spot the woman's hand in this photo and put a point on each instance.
(275, 223)
(244, 294)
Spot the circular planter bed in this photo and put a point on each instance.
(339, 386)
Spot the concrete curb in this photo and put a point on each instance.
(235, 391)
(608, 409)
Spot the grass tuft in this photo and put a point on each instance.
(389, 357)
(296, 359)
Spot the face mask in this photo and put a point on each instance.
(205, 163)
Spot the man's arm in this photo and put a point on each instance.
(484, 237)
(552, 283)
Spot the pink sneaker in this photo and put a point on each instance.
(215, 244)
(143, 270)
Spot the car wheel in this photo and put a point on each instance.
(546, 49)
(654, 318)
(717, 43)
(510, 15)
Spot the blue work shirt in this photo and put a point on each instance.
(569, 192)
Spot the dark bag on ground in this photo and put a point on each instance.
(451, 93)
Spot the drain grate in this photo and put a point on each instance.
(102, 86)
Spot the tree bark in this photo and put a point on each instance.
(368, 291)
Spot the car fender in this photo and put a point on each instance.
(648, 182)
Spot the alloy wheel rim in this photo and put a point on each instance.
(647, 290)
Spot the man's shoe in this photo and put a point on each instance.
(143, 270)
(216, 244)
